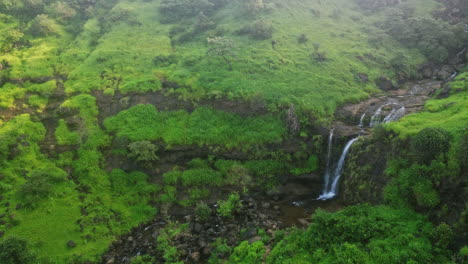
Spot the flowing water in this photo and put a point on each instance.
(331, 191)
(328, 168)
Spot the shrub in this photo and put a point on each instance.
(230, 206)
(259, 30)
(302, 39)
(202, 212)
(174, 10)
(247, 253)
(16, 251)
(143, 151)
(429, 143)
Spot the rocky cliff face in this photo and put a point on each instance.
(364, 176)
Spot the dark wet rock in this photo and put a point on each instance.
(207, 251)
(363, 77)
(303, 222)
(2, 222)
(385, 84)
(197, 228)
(443, 73)
(266, 205)
(255, 239)
(195, 256)
(251, 232)
(71, 244)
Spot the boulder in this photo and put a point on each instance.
(363, 77)
(443, 73)
(254, 239)
(195, 256)
(385, 84)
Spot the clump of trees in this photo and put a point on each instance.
(175, 10)
(436, 39)
(430, 143)
(15, 251)
(42, 25)
(259, 30)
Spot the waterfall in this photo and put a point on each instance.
(361, 121)
(452, 76)
(327, 170)
(395, 115)
(331, 191)
(375, 119)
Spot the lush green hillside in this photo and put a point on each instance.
(114, 112)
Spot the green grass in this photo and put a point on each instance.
(450, 113)
(204, 126)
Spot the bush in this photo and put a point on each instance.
(247, 253)
(302, 39)
(230, 206)
(259, 30)
(16, 251)
(174, 10)
(429, 143)
(202, 212)
(143, 151)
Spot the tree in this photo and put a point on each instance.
(224, 48)
(42, 25)
(143, 151)
(12, 39)
(16, 251)
(429, 143)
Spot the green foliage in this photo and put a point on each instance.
(165, 245)
(143, 259)
(416, 184)
(224, 48)
(220, 249)
(202, 212)
(143, 151)
(64, 136)
(230, 206)
(204, 126)
(39, 186)
(42, 25)
(15, 251)
(173, 10)
(435, 38)
(247, 253)
(429, 143)
(361, 234)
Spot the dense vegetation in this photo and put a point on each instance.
(117, 112)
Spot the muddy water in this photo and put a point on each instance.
(297, 213)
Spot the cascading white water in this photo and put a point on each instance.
(389, 116)
(395, 115)
(331, 191)
(328, 168)
(375, 119)
(361, 120)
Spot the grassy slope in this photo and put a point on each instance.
(281, 76)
